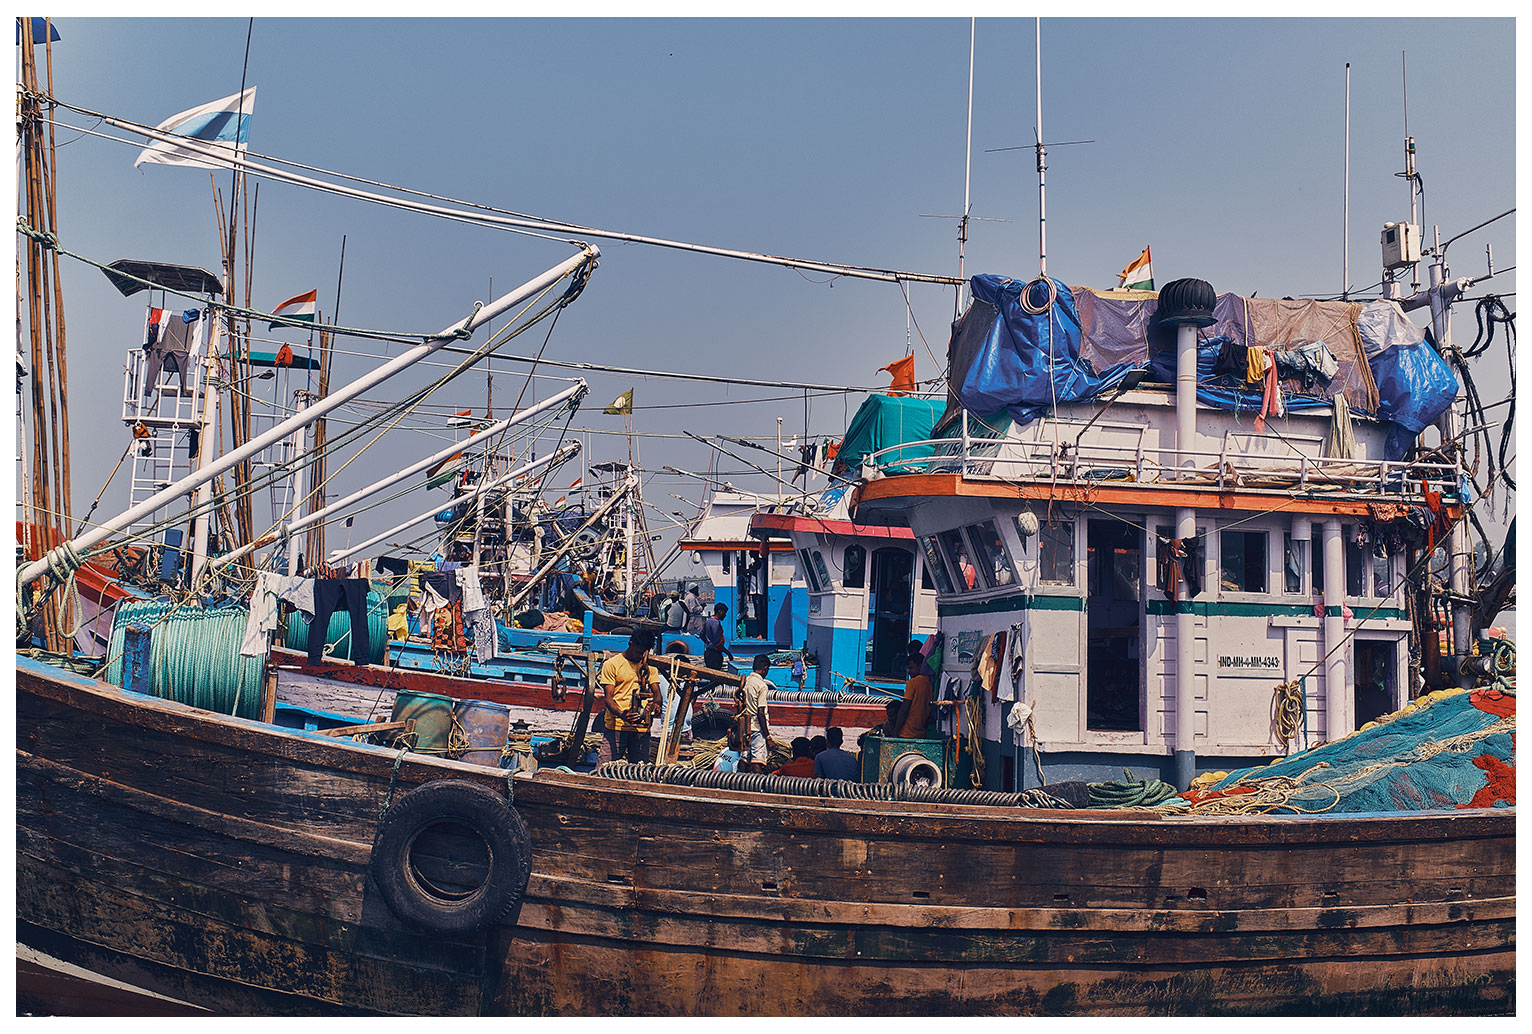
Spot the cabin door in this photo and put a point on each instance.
(888, 611)
(1114, 558)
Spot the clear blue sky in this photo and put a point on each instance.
(1218, 142)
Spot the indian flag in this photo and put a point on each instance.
(572, 486)
(299, 308)
(1139, 276)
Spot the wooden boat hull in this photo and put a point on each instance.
(226, 863)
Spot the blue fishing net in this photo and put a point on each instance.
(1440, 754)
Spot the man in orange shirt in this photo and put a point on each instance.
(915, 709)
(802, 763)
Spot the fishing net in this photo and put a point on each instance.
(1450, 749)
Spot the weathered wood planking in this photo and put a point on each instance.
(225, 863)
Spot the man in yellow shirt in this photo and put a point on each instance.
(630, 687)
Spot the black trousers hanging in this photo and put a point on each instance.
(328, 593)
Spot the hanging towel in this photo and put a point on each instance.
(1271, 398)
(1341, 444)
(1256, 364)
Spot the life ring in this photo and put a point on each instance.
(452, 857)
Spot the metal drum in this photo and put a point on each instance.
(485, 727)
(433, 719)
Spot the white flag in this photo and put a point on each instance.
(222, 125)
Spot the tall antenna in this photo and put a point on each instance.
(1411, 178)
(1346, 201)
(1042, 159)
(967, 159)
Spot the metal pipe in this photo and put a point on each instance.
(1451, 427)
(1185, 757)
(558, 456)
(1186, 395)
(1337, 697)
(304, 417)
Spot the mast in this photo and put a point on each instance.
(587, 254)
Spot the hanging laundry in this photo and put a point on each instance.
(1257, 362)
(171, 340)
(1170, 554)
(993, 663)
(468, 588)
(1016, 661)
(1191, 566)
(1271, 398)
(1233, 359)
(1341, 444)
(328, 594)
(268, 589)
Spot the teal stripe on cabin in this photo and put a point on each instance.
(1162, 608)
(1230, 609)
(1005, 603)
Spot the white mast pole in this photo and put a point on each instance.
(212, 390)
(571, 395)
(303, 418)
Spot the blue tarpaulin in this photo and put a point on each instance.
(1030, 361)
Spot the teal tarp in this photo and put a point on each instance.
(884, 421)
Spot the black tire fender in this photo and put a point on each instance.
(451, 857)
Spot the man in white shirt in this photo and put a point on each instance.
(754, 722)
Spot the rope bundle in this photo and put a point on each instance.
(194, 655)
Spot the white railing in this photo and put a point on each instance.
(1230, 467)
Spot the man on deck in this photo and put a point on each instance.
(714, 648)
(630, 687)
(754, 722)
(915, 709)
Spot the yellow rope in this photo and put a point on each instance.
(1287, 712)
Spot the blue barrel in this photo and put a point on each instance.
(433, 718)
(486, 726)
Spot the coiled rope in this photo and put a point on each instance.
(797, 786)
(1287, 712)
(194, 656)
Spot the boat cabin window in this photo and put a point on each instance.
(1317, 562)
(933, 566)
(956, 552)
(821, 570)
(1055, 552)
(726, 556)
(1382, 575)
(1242, 560)
(1356, 562)
(925, 577)
(854, 567)
(808, 572)
(1292, 563)
(993, 559)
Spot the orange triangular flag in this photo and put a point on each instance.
(903, 372)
